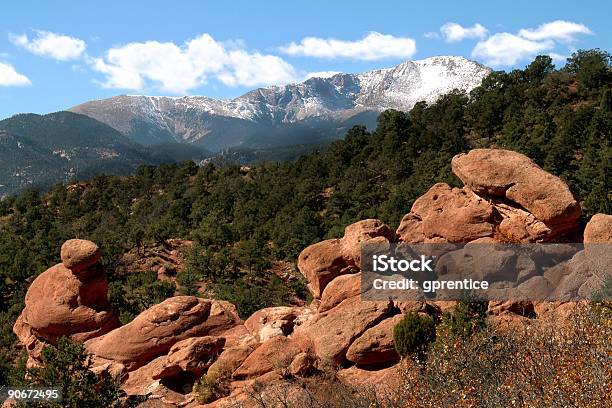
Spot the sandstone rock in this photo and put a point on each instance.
(375, 345)
(339, 289)
(239, 336)
(518, 225)
(363, 232)
(58, 303)
(229, 360)
(334, 331)
(272, 321)
(302, 364)
(109, 369)
(275, 354)
(446, 214)
(598, 229)
(555, 311)
(156, 330)
(323, 261)
(514, 177)
(79, 254)
(63, 302)
(385, 383)
(140, 380)
(192, 355)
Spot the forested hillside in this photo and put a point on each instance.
(243, 219)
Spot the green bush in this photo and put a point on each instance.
(209, 388)
(413, 334)
(467, 319)
(67, 367)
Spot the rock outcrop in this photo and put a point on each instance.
(163, 351)
(324, 261)
(68, 299)
(446, 214)
(375, 345)
(506, 197)
(517, 180)
(156, 330)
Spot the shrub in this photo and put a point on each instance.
(67, 367)
(467, 319)
(210, 388)
(413, 334)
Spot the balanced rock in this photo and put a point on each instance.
(320, 263)
(154, 331)
(79, 254)
(62, 302)
(516, 179)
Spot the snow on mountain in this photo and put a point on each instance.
(263, 117)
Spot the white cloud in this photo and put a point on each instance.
(556, 30)
(256, 69)
(179, 68)
(10, 77)
(453, 32)
(321, 74)
(374, 46)
(505, 49)
(52, 45)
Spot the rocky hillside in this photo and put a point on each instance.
(167, 348)
(316, 110)
(41, 150)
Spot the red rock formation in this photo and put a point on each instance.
(154, 331)
(375, 345)
(598, 229)
(446, 214)
(322, 262)
(68, 299)
(519, 182)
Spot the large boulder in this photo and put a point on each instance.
(375, 345)
(67, 302)
(275, 354)
(335, 330)
(320, 263)
(154, 331)
(516, 179)
(445, 214)
(193, 355)
(341, 288)
(598, 229)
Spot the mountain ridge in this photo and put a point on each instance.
(322, 106)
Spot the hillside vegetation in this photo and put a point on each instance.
(244, 219)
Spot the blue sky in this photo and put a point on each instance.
(56, 54)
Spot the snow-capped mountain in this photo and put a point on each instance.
(307, 112)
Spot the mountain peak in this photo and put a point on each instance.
(266, 116)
